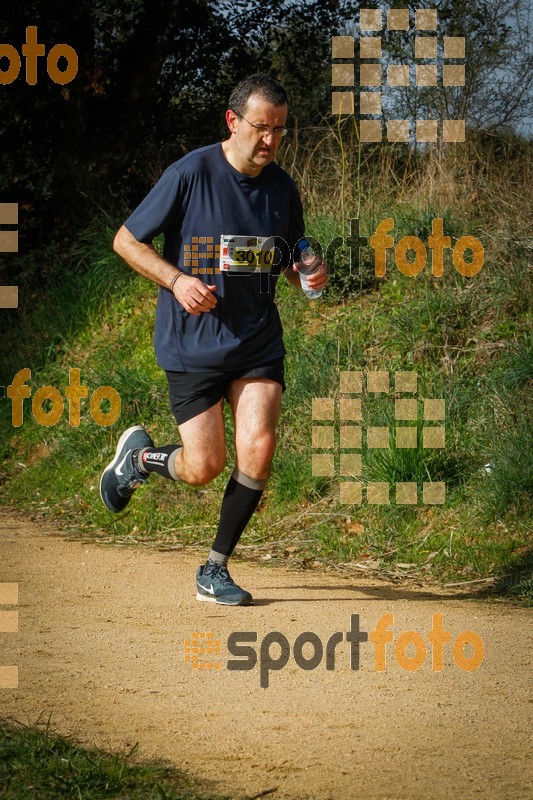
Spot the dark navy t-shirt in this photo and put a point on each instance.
(198, 199)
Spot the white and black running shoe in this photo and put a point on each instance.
(214, 584)
(121, 477)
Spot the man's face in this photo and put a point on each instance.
(253, 148)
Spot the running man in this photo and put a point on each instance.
(218, 335)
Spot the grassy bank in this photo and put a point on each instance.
(468, 339)
(36, 762)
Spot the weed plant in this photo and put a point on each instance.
(36, 762)
(468, 339)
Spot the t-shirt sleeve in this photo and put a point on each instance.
(160, 209)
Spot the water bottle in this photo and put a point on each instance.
(307, 260)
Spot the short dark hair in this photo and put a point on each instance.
(262, 85)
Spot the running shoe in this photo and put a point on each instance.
(214, 584)
(121, 476)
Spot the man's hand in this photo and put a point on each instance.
(318, 279)
(195, 296)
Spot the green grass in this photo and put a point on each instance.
(467, 339)
(36, 762)
(516, 579)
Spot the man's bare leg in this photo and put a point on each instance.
(255, 404)
(200, 457)
(203, 454)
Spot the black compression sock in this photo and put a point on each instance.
(157, 459)
(241, 498)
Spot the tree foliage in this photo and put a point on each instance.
(153, 81)
(498, 74)
(154, 78)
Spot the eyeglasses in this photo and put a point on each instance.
(264, 129)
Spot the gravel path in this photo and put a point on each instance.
(101, 649)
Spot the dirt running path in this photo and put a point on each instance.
(100, 648)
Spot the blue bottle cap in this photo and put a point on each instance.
(303, 244)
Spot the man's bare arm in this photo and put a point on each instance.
(194, 295)
(143, 258)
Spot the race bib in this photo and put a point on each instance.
(246, 254)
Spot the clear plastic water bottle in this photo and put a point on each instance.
(306, 267)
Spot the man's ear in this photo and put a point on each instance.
(231, 120)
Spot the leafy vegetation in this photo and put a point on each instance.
(159, 75)
(36, 762)
(468, 340)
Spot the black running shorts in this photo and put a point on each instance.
(193, 392)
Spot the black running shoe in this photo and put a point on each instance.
(121, 477)
(214, 584)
